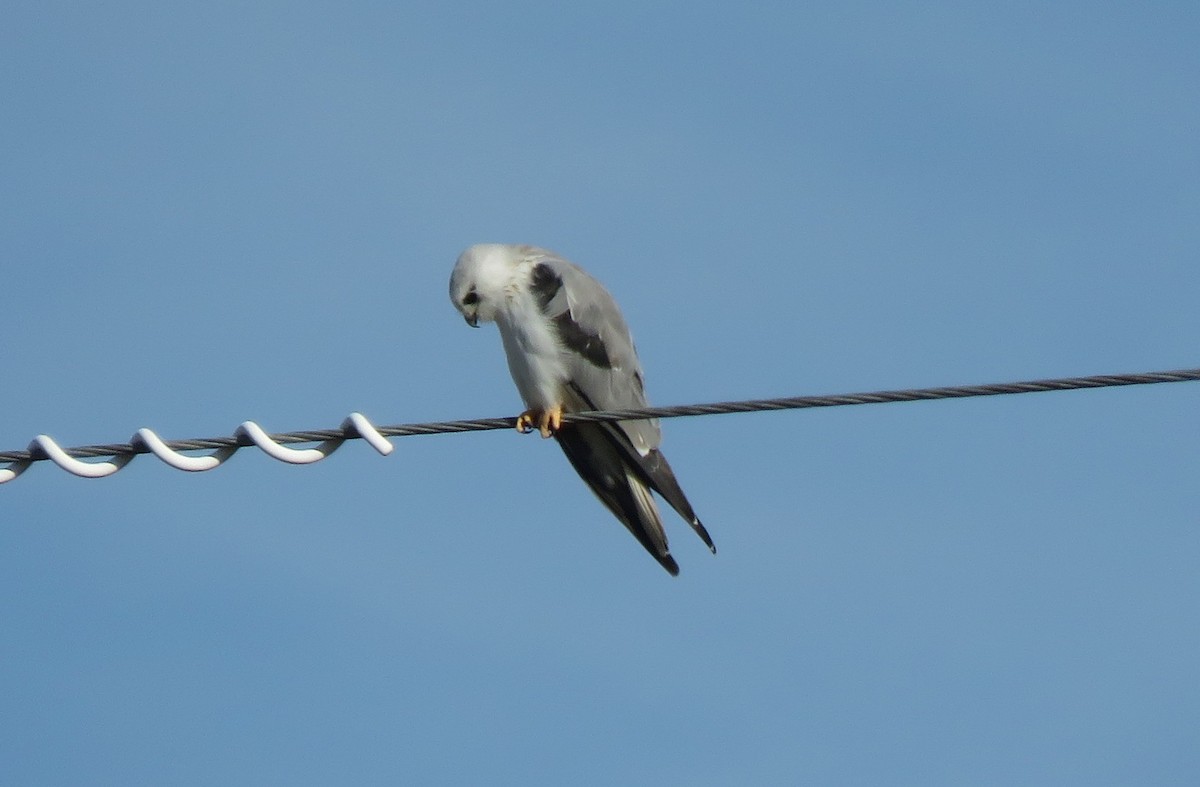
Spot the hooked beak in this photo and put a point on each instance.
(472, 320)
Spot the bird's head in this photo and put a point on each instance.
(484, 278)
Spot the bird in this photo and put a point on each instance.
(570, 350)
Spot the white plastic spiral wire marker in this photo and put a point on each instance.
(145, 440)
(364, 429)
(76, 466)
(15, 469)
(294, 456)
(192, 464)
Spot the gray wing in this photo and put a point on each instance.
(601, 359)
(605, 374)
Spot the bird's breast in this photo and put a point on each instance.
(534, 357)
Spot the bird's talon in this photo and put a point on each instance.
(550, 421)
(547, 422)
(525, 422)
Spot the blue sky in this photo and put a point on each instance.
(218, 212)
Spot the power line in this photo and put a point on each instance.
(249, 433)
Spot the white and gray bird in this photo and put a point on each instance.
(569, 350)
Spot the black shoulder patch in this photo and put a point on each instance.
(545, 284)
(576, 339)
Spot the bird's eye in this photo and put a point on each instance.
(470, 298)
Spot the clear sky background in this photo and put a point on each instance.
(214, 212)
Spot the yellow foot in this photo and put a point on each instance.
(547, 421)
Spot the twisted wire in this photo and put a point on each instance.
(676, 411)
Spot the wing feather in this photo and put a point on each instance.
(601, 359)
